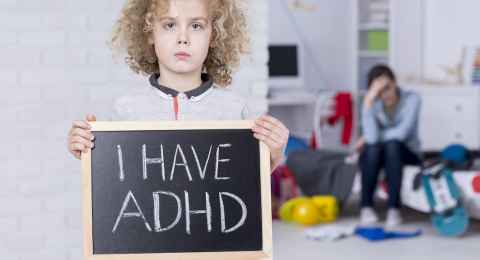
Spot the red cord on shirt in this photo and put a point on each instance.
(175, 106)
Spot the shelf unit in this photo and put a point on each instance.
(372, 37)
(401, 26)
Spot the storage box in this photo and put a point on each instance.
(377, 40)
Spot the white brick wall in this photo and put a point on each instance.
(54, 68)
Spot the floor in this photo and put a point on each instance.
(289, 242)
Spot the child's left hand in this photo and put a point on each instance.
(274, 134)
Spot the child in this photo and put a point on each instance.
(189, 48)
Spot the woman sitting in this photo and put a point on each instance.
(390, 141)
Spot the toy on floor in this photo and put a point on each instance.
(449, 217)
(310, 210)
(378, 234)
(334, 232)
(331, 232)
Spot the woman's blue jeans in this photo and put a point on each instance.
(392, 156)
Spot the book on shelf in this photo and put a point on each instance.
(471, 68)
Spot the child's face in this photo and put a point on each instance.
(182, 36)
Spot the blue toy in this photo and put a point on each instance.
(378, 234)
(457, 156)
(295, 144)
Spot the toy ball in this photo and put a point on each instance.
(328, 208)
(306, 213)
(286, 210)
(457, 156)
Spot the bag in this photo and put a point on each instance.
(284, 188)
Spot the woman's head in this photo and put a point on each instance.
(382, 76)
(183, 36)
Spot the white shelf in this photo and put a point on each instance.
(373, 54)
(373, 27)
(362, 92)
(291, 100)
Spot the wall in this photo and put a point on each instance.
(327, 33)
(449, 27)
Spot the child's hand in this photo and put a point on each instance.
(274, 134)
(80, 138)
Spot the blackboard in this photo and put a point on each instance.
(156, 189)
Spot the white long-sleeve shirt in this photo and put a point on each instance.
(157, 102)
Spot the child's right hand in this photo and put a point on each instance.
(80, 138)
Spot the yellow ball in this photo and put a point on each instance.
(286, 210)
(328, 207)
(306, 213)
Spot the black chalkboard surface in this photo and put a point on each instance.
(165, 189)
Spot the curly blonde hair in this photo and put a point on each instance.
(228, 42)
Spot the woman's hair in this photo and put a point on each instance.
(378, 71)
(229, 38)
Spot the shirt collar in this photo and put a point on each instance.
(207, 83)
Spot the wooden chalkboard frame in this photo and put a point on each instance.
(264, 254)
